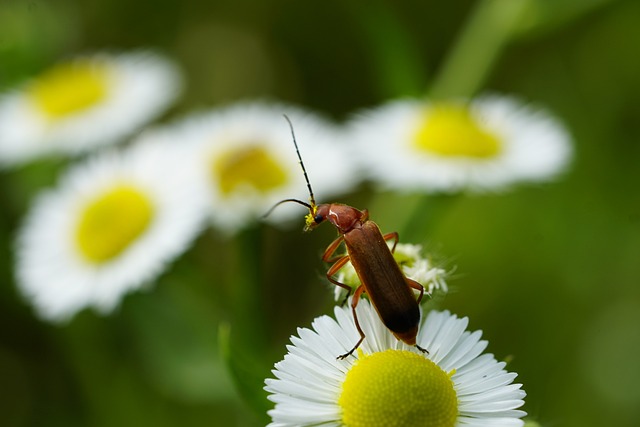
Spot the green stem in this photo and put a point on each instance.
(248, 309)
(392, 211)
(486, 33)
(246, 372)
(244, 340)
(414, 216)
(111, 394)
(394, 55)
(428, 212)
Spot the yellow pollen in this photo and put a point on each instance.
(397, 388)
(69, 88)
(111, 222)
(452, 131)
(250, 166)
(310, 218)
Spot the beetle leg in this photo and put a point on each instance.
(331, 249)
(339, 263)
(424, 350)
(393, 236)
(415, 285)
(354, 303)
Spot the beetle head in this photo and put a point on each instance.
(345, 218)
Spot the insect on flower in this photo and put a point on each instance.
(389, 290)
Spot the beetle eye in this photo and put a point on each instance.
(318, 219)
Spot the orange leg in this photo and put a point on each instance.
(339, 263)
(331, 249)
(415, 285)
(354, 303)
(393, 236)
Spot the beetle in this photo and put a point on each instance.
(389, 290)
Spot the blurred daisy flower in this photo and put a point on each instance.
(390, 384)
(83, 103)
(247, 162)
(414, 265)
(483, 144)
(113, 223)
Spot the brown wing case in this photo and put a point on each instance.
(383, 280)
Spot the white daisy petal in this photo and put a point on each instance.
(85, 103)
(76, 247)
(467, 348)
(483, 144)
(496, 380)
(309, 388)
(490, 422)
(247, 162)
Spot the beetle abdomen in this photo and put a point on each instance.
(384, 282)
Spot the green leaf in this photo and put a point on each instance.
(246, 370)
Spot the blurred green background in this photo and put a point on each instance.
(549, 272)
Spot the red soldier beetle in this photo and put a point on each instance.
(388, 289)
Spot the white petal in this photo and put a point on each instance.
(535, 147)
(58, 279)
(309, 379)
(141, 86)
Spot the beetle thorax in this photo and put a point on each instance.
(344, 218)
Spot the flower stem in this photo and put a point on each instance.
(393, 52)
(243, 341)
(486, 33)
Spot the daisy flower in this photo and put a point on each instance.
(483, 144)
(389, 383)
(113, 224)
(83, 103)
(413, 264)
(247, 162)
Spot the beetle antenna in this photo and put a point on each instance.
(304, 170)
(300, 202)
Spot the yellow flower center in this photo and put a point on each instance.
(69, 88)
(250, 166)
(397, 388)
(452, 131)
(111, 222)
